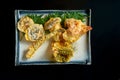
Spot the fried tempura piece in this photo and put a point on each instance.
(76, 28)
(53, 24)
(58, 36)
(34, 32)
(62, 52)
(24, 23)
(32, 48)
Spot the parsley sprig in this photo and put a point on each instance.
(63, 15)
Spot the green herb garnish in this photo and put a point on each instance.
(63, 15)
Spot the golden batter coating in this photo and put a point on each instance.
(62, 52)
(32, 48)
(75, 29)
(34, 32)
(24, 23)
(53, 24)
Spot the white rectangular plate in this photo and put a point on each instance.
(82, 54)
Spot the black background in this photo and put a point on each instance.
(105, 41)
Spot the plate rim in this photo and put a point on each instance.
(17, 62)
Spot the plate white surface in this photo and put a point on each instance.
(42, 54)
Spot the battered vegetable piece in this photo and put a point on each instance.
(34, 32)
(35, 45)
(53, 24)
(24, 23)
(62, 52)
(75, 29)
(58, 36)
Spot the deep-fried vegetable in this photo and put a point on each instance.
(24, 23)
